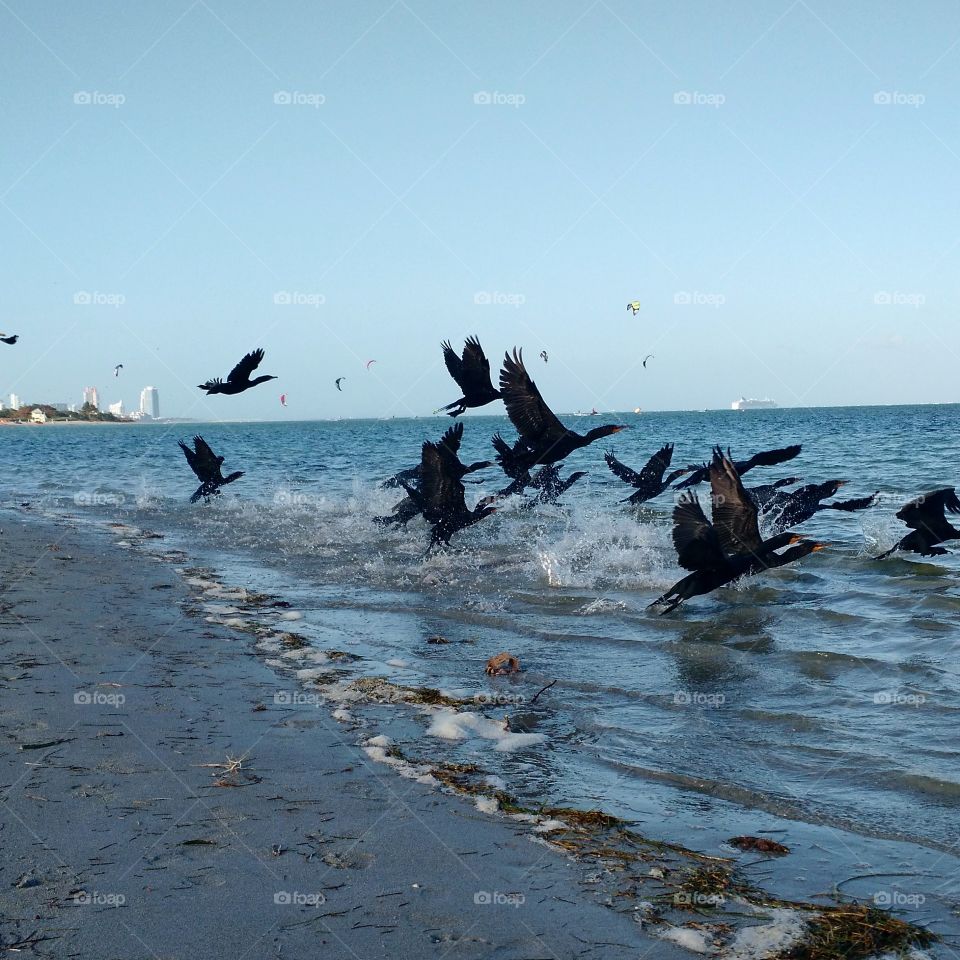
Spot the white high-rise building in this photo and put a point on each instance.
(150, 403)
(116, 408)
(15, 402)
(91, 396)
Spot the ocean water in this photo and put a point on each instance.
(821, 701)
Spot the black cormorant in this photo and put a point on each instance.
(239, 378)
(545, 438)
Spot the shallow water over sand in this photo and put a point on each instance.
(822, 699)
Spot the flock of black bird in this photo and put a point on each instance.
(715, 551)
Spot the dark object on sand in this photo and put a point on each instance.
(206, 465)
(472, 374)
(502, 663)
(545, 438)
(760, 845)
(729, 548)
(926, 516)
(766, 458)
(649, 482)
(238, 379)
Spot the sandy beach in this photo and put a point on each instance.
(157, 802)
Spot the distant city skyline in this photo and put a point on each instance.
(776, 187)
(150, 403)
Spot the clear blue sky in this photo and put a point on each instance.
(783, 200)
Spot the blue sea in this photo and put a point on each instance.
(819, 704)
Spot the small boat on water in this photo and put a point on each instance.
(744, 404)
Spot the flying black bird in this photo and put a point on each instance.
(440, 496)
(117, 369)
(239, 378)
(206, 465)
(546, 439)
(11, 339)
(472, 373)
(338, 381)
(409, 507)
(544, 356)
(649, 481)
(511, 461)
(549, 485)
(729, 548)
(926, 516)
(649, 356)
(764, 494)
(634, 305)
(791, 509)
(765, 459)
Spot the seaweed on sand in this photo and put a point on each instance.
(855, 931)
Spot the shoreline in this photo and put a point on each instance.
(250, 683)
(150, 771)
(91, 423)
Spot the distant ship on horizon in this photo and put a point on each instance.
(744, 404)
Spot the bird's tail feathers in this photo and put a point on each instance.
(456, 408)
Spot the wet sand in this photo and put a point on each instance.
(155, 801)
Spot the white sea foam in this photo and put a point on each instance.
(785, 928)
(451, 725)
(693, 940)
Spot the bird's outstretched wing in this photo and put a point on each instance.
(534, 420)
(767, 458)
(475, 365)
(924, 512)
(734, 513)
(622, 471)
(472, 370)
(698, 547)
(453, 362)
(657, 465)
(191, 459)
(208, 463)
(241, 372)
(507, 457)
(450, 441)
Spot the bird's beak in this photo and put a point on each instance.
(820, 546)
(618, 429)
(796, 538)
(842, 483)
